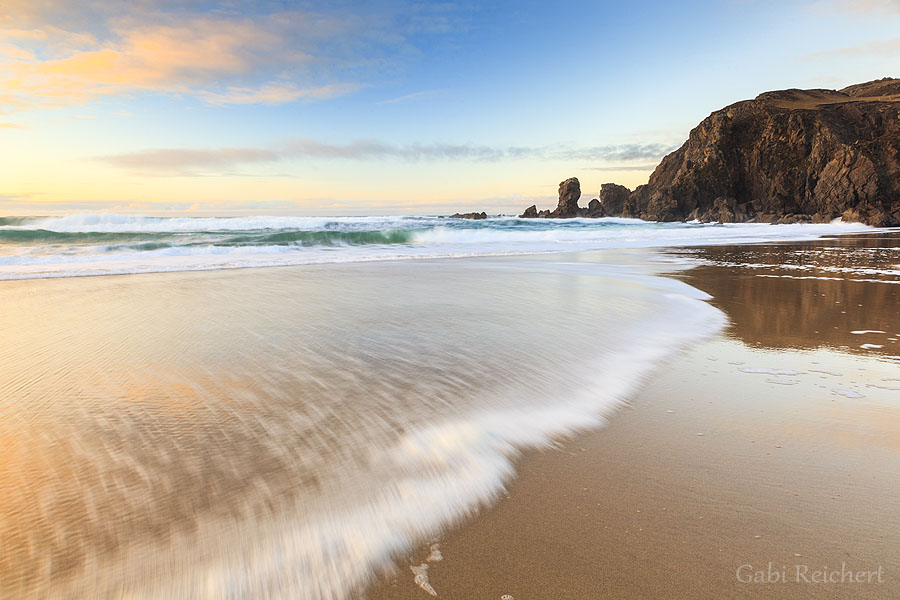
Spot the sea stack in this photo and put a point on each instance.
(612, 198)
(569, 194)
(567, 207)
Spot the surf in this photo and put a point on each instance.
(114, 244)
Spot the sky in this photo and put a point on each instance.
(388, 107)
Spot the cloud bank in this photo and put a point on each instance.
(195, 161)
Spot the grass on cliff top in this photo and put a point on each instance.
(812, 99)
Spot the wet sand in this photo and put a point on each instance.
(760, 464)
(285, 433)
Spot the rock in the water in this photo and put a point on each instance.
(595, 209)
(613, 197)
(472, 215)
(530, 212)
(569, 194)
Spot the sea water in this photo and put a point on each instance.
(289, 433)
(102, 244)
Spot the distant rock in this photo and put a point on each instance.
(530, 212)
(569, 194)
(567, 207)
(595, 209)
(612, 198)
(611, 201)
(471, 215)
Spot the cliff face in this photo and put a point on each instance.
(788, 156)
(795, 155)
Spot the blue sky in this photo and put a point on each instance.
(388, 107)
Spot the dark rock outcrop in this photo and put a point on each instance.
(784, 157)
(788, 156)
(613, 197)
(595, 209)
(530, 212)
(471, 215)
(569, 194)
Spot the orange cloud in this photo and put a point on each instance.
(225, 60)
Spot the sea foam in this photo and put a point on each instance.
(107, 244)
(456, 449)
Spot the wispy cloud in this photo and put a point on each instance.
(862, 6)
(278, 93)
(11, 126)
(179, 160)
(195, 161)
(878, 48)
(616, 153)
(414, 96)
(643, 167)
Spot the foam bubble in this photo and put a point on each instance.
(770, 371)
(847, 393)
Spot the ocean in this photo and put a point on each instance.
(106, 244)
(291, 432)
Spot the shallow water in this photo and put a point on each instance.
(838, 293)
(285, 432)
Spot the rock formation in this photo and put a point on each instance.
(530, 212)
(569, 194)
(794, 155)
(613, 197)
(471, 215)
(787, 156)
(595, 209)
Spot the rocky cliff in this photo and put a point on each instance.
(787, 156)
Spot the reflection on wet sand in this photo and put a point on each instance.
(774, 443)
(807, 295)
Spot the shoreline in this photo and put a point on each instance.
(427, 240)
(319, 417)
(233, 365)
(709, 467)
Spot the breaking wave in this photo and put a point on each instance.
(102, 244)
